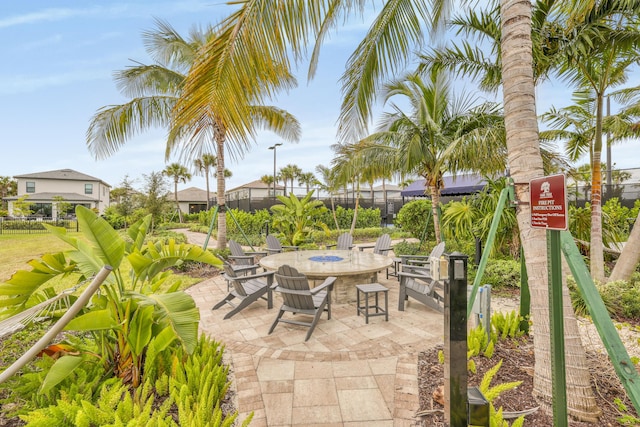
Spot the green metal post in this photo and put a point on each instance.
(487, 249)
(622, 364)
(241, 230)
(213, 221)
(525, 295)
(556, 326)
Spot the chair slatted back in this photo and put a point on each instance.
(437, 251)
(294, 288)
(383, 245)
(273, 244)
(231, 275)
(345, 242)
(236, 250)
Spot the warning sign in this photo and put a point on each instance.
(548, 197)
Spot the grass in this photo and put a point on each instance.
(16, 250)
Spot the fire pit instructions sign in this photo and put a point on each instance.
(548, 196)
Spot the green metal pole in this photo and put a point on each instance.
(487, 249)
(622, 364)
(556, 325)
(213, 221)
(525, 295)
(241, 230)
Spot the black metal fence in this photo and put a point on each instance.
(34, 225)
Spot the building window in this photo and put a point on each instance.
(31, 187)
(88, 189)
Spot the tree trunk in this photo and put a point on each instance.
(357, 204)
(220, 136)
(435, 201)
(206, 174)
(525, 163)
(630, 255)
(596, 251)
(175, 194)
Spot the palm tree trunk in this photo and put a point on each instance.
(525, 163)
(596, 251)
(355, 210)
(630, 255)
(175, 194)
(220, 196)
(435, 201)
(206, 174)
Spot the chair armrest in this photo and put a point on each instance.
(241, 257)
(240, 267)
(331, 246)
(414, 275)
(363, 247)
(260, 253)
(295, 248)
(255, 276)
(329, 281)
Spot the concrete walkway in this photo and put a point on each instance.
(347, 374)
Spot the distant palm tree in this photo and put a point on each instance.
(330, 185)
(307, 179)
(179, 174)
(289, 173)
(204, 165)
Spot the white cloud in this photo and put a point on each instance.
(26, 84)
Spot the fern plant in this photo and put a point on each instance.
(506, 325)
(492, 392)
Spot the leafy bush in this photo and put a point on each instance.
(499, 273)
(414, 217)
(367, 218)
(622, 298)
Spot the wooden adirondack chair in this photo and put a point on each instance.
(240, 257)
(422, 287)
(298, 298)
(247, 289)
(275, 247)
(421, 263)
(381, 247)
(345, 242)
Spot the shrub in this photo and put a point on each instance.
(367, 218)
(499, 273)
(415, 217)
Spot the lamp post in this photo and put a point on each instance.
(273, 147)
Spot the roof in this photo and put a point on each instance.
(256, 184)
(48, 197)
(193, 194)
(68, 174)
(453, 186)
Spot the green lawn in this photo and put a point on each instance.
(17, 249)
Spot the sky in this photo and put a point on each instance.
(57, 71)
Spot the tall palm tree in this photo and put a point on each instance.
(329, 184)
(156, 94)
(443, 133)
(203, 165)
(179, 174)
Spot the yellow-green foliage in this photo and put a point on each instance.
(506, 325)
(441, 357)
(491, 393)
(196, 384)
(477, 341)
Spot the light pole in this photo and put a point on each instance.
(273, 147)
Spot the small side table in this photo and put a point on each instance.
(396, 267)
(372, 288)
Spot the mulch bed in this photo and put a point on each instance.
(517, 365)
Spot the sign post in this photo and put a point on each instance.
(548, 196)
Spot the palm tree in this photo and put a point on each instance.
(289, 173)
(179, 174)
(330, 185)
(157, 92)
(442, 133)
(203, 165)
(307, 179)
